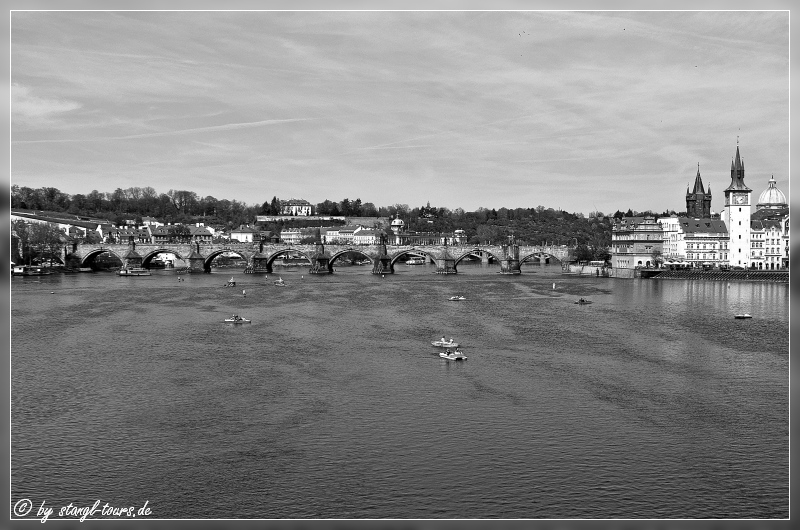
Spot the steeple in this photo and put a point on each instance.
(737, 173)
(698, 182)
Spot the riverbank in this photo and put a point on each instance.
(781, 276)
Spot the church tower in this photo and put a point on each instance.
(737, 203)
(698, 202)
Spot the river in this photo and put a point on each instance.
(652, 402)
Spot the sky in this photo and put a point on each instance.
(575, 110)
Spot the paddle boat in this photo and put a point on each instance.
(279, 282)
(442, 343)
(236, 319)
(456, 298)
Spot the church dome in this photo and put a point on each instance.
(398, 222)
(772, 197)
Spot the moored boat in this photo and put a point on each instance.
(30, 270)
(133, 271)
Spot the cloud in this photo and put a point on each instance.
(29, 109)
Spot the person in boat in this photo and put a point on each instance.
(443, 339)
(448, 352)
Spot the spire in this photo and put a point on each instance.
(738, 164)
(698, 182)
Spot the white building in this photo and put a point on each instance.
(296, 207)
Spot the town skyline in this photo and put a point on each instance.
(578, 111)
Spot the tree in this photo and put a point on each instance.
(657, 258)
(181, 233)
(582, 252)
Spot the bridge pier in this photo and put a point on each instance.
(446, 264)
(509, 264)
(131, 259)
(197, 263)
(382, 263)
(320, 261)
(260, 262)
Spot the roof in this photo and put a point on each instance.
(691, 225)
(771, 197)
(199, 231)
(244, 230)
(770, 213)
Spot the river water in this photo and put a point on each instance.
(652, 402)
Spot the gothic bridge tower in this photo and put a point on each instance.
(698, 202)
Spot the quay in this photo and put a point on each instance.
(780, 276)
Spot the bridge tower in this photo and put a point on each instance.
(509, 263)
(382, 263)
(320, 261)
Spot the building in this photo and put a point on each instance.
(367, 236)
(200, 233)
(294, 236)
(698, 202)
(767, 245)
(737, 215)
(296, 207)
(636, 242)
(401, 236)
(244, 234)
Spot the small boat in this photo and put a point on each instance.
(583, 302)
(415, 261)
(279, 282)
(743, 315)
(456, 298)
(236, 319)
(453, 356)
(442, 343)
(134, 271)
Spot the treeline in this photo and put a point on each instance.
(539, 225)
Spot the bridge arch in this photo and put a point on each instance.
(342, 252)
(148, 257)
(479, 252)
(90, 255)
(538, 255)
(208, 259)
(413, 252)
(278, 253)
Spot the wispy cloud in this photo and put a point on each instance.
(194, 130)
(27, 108)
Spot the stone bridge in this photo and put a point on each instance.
(321, 258)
